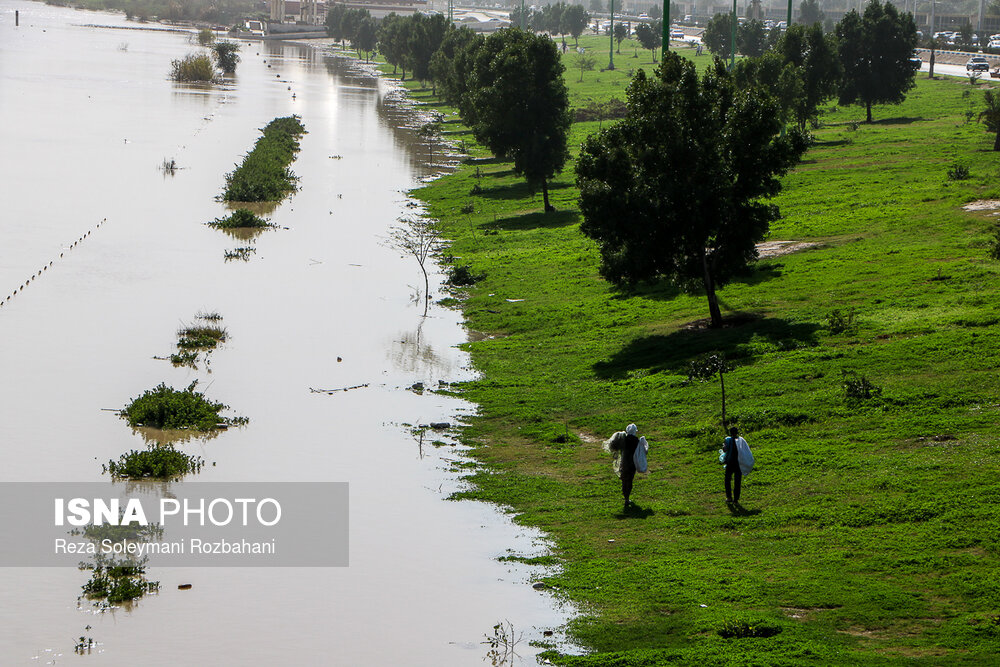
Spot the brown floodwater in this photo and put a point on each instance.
(104, 255)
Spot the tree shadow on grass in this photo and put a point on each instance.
(518, 190)
(673, 352)
(833, 143)
(902, 120)
(664, 290)
(536, 220)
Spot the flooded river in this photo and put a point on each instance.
(87, 118)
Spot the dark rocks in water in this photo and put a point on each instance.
(538, 586)
(440, 426)
(417, 387)
(183, 587)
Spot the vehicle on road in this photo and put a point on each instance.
(977, 64)
(677, 34)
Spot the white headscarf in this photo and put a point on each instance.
(631, 429)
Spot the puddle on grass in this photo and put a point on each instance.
(323, 303)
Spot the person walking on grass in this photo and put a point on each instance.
(739, 461)
(622, 446)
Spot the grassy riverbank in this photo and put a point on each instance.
(869, 528)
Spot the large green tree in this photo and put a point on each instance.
(991, 114)
(650, 36)
(815, 53)
(810, 13)
(425, 36)
(679, 188)
(718, 35)
(875, 50)
(451, 64)
(518, 105)
(751, 38)
(393, 40)
(573, 21)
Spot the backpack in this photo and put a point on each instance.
(639, 458)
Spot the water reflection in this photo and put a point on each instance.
(159, 437)
(411, 352)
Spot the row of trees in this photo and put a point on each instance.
(867, 60)
(559, 18)
(679, 189)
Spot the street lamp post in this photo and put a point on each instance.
(666, 27)
(732, 41)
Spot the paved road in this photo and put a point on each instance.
(950, 70)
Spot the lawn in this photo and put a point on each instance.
(869, 528)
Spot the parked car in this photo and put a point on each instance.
(677, 34)
(977, 64)
(994, 44)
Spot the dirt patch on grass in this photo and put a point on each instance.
(778, 248)
(982, 205)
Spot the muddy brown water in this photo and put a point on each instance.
(87, 116)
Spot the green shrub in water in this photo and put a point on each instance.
(158, 462)
(264, 173)
(192, 68)
(166, 407)
(241, 218)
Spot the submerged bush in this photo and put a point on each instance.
(205, 337)
(264, 174)
(118, 581)
(166, 407)
(192, 68)
(241, 218)
(158, 462)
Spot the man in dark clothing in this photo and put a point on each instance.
(628, 461)
(733, 472)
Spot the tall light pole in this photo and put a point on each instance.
(611, 51)
(788, 22)
(732, 41)
(524, 18)
(666, 27)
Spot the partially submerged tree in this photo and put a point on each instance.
(418, 238)
(518, 105)
(679, 188)
(226, 56)
(875, 51)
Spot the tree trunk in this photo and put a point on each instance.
(996, 142)
(545, 195)
(713, 302)
(427, 289)
(931, 74)
(722, 383)
(868, 106)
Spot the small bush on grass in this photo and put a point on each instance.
(958, 172)
(738, 629)
(859, 389)
(462, 276)
(166, 407)
(840, 321)
(192, 69)
(156, 462)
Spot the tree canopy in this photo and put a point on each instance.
(875, 50)
(679, 188)
(518, 105)
(810, 13)
(815, 53)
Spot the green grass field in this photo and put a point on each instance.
(869, 528)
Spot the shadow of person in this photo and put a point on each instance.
(634, 511)
(738, 510)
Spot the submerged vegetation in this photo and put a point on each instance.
(192, 69)
(241, 218)
(264, 175)
(157, 462)
(169, 408)
(116, 581)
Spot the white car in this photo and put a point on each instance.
(994, 44)
(677, 34)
